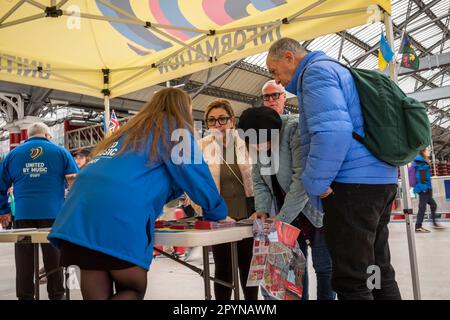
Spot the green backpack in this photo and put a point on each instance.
(396, 126)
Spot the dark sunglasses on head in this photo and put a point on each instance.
(221, 120)
(274, 96)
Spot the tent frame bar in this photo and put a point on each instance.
(40, 70)
(11, 11)
(330, 14)
(224, 31)
(33, 68)
(120, 11)
(36, 4)
(407, 203)
(187, 46)
(156, 64)
(104, 18)
(23, 20)
(61, 3)
(274, 25)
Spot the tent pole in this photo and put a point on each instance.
(106, 93)
(433, 157)
(407, 203)
(107, 115)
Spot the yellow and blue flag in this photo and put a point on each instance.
(385, 53)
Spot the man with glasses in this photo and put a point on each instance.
(274, 96)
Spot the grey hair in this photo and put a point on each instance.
(279, 47)
(38, 128)
(273, 82)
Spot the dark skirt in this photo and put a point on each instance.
(87, 259)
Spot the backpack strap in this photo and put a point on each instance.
(319, 60)
(355, 136)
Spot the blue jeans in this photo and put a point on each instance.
(322, 265)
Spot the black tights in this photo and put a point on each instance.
(130, 284)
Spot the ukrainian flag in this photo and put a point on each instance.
(385, 53)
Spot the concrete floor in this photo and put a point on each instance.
(169, 280)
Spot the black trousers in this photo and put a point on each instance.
(223, 270)
(424, 199)
(356, 232)
(24, 255)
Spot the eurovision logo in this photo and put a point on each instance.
(36, 152)
(168, 12)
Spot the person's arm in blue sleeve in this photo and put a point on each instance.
(193, 177)
(329, 125)
(5, 184)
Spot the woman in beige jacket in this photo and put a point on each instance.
(230, 166)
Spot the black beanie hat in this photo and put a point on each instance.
(260, 118)
(82, 152)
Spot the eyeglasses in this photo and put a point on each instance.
(221, 120)
(274, 96)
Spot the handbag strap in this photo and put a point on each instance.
(232, 171)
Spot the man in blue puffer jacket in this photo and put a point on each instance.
(355, 188)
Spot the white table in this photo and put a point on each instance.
(205, 239)
(191, 238)
(34, 237)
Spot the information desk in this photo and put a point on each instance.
(34, 237)
(163, 237)
(205, 239)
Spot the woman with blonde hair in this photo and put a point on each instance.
(107, 223)
(231, 168)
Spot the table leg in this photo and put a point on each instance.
(206, 273)
(235, 269)
(36, 270)
(66, 281)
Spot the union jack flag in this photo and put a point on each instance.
(113, 122)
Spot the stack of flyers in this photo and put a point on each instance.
(277, 264)
(258, 263)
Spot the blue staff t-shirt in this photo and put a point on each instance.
(37, 168)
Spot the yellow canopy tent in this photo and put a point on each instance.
(113, 47)
(108, 48)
